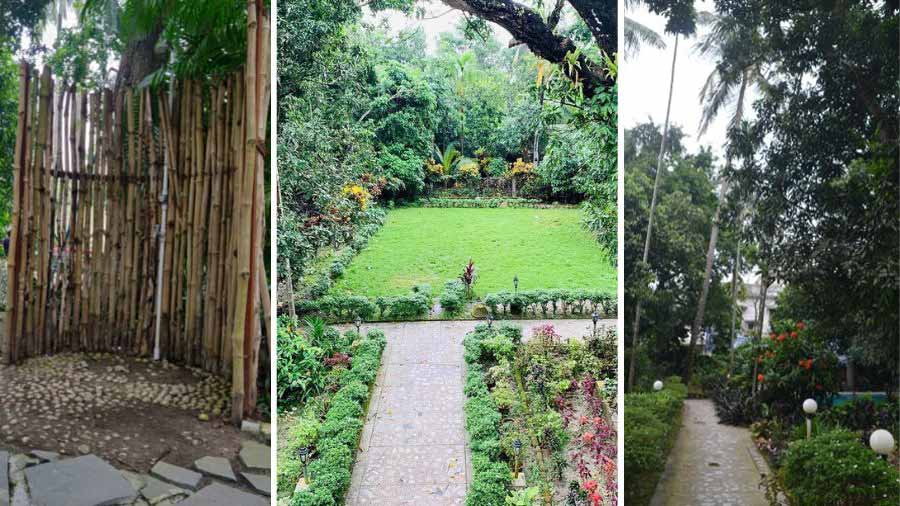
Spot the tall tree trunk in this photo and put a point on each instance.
(140, 59)
(707, 276)
(636, 328)
(734, 276)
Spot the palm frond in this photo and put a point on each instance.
(637, 35)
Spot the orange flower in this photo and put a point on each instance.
(587, 437)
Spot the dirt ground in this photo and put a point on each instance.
(131, 412)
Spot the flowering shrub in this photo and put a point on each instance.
(520, 168)
(794, 366)
(358, 194)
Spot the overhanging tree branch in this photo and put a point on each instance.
(527, 26)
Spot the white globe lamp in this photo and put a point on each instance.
(810, 406)
(882, 442)
(657, 385)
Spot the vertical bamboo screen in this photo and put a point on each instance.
(86, 231)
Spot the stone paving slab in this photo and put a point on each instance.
(223, 495)
(4, 479)
(419, 432)
(177, 475)
(256, 455)
(219, 467)
(261, 482)
(710, 464)
(414, 495)
(82, 481)
(155, 490)
(415, 465)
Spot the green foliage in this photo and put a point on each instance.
(491, 478)
(552, 303)
(834, 468)
(479, 202)
(346, 308)
(454, 297)
(339, 432)
(652, 421)
(9, 99)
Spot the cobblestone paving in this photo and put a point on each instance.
(414, 448)
(711, 464)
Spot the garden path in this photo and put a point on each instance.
(711, 463)
(414, 448)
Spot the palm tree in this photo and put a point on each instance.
(717, 92)
(636, 328)
(637, 35)
(463, 73)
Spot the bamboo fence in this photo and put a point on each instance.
(86, 224)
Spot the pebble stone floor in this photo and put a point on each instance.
(414, 448)
(40, 478)
(711, 463)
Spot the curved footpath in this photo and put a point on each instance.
(711, 464)
(414, 448)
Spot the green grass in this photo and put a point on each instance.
(546, 248)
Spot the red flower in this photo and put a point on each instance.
(589, 485)
(801, 325)
(794, 334)
(595, 499)
(598, 421)
(760, 378)
(583, 419)
(772, 335)
(782, 337)
(587, 437)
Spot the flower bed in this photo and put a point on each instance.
(485, 202)
(551, 303)
(324, 382)
(545, 408)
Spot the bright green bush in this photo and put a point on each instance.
(834, 468)
(329, 471)
(651, 422)
(454, 297)
(345, 308)
(491, 478)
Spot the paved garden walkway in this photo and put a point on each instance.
(711, 463)
(414, 448)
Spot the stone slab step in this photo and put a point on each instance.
(82, 481)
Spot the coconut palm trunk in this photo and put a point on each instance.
(636, 328)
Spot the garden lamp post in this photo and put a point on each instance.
(490, 319)
(595, 317)
(358, 323)
(304, 458)
(809, 407)
(657, 385)
(517, 448)
(882, 442)
(516, 284)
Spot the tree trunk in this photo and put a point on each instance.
(707, 275)
(761, 318)
(734, 275)
(636, 328)
(139, 59)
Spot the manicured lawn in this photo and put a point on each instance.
(546, 248)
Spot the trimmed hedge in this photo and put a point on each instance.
(556, 302)
(491, 478)
(345, 308)
(453, 300)
(339, 433)
(652, 421)
(485, 202)
(835, 468)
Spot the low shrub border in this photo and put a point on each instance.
(491, 478)
(550, 303)
(652, 421)
(346, 308)
(339, 433)
(486, 203)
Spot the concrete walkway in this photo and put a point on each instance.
(711, 464)
(414, 448)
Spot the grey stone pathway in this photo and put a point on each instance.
(711, 464)
(414, 448)
(45, 479)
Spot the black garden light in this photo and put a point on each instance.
(596, 318)
(358, 323)
(516, 283)
(490, 319)
(304, 457)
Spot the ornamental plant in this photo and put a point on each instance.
(468, 277)
(794, 365)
